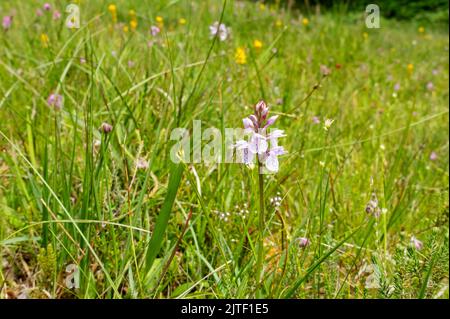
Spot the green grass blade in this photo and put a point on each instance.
(163, 218)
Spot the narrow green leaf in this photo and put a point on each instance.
(163, 218)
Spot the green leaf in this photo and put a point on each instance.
(163, 217)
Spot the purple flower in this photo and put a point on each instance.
(397, 87)
(270, 158)
(256, 125)
(55, 100)
(316, 120)
(130, 64)
(303, 242)
(154, 30)
(433, 156)
(430, 86)
(106, 128)
(39, 12)
(47, 7)
(372, 206)
(271, 120)
(220, 29)
(141, 163)
(435, 72)
(417, 244)
(7, 21)
(56, 15)
(324, 70)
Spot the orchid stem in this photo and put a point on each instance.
(260, 252)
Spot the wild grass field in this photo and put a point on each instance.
(92, 206)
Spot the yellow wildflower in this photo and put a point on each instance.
(182, 21)
(160, 21)
(410, 68)
(133, 24)
(257, 44)
(305, 21)
(262, 6)
(44, 40)
(113, 10)
(279, 23)
(125, 28)
(421, 29)
(365, 35)
(240, 56)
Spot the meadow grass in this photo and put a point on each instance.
(137, 225)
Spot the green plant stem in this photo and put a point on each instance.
(260, 251)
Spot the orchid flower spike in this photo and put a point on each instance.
(258, 145)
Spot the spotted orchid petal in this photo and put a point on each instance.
(248, 123)
(278, 150)
(272, 163)
(248, 157)
(254, 120)
(271, 120)
(258, 144)
(241, 144)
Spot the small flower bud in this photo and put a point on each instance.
(303, 242)
(55, 100)
(325, 70)
(106, 128)
(248, 123)
(260, 106)
(416, 243)
(271, 120)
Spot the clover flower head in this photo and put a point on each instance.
(433, 156)
(6, 22)
(141, 163)
(315, 120)
(47, 6)
(56, 15)
(303, 242)
(220, 30)
(256, 126)
(325, 70)
(55, 100)
(154, 30)
(106, 128)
